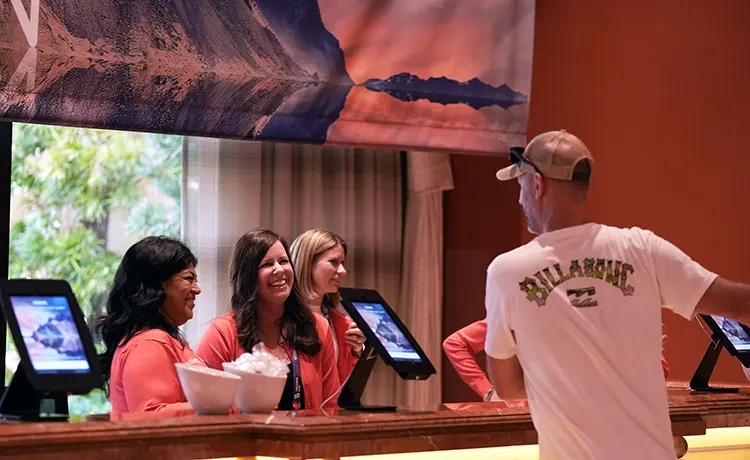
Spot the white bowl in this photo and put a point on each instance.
(209, 391)
(258, 392)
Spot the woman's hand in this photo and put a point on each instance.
(355, 339)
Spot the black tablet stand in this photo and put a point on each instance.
(21, 401)
(351, 394)
(699, 382)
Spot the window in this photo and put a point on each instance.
(80, 198)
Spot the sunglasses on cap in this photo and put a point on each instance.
(516, 157)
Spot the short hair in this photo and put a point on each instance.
(579, 186)
(305, 251)
(582, 171)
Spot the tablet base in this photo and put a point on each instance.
(22, 402)
(699, 382)
(351, 394)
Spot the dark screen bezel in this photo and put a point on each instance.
(743, 356)
(406, 369)
(53, 382)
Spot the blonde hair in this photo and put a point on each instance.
(304, 251)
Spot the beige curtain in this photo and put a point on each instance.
(429, 174)
(233, 186)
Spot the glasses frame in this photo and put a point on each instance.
(516, 156)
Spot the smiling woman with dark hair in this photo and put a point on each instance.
(153, 294)
(267, 307)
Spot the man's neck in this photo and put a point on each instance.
(560, 221)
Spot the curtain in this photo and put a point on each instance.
(232, 186)
(429, 174)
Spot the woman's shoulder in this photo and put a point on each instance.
(339, 315)
(224, 321)
(154, 335)
(146, 341)
(321, 323)
(341, 322)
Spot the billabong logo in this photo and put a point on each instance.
(612, 271)
(575, 297)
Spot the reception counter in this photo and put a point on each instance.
(322, 434)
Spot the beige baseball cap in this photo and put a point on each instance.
(554, 155)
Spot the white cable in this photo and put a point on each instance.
(710, 336)
(336, 392)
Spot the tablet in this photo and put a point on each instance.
(55, 346)
(386, 333)
(735, 337)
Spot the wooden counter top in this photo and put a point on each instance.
(328, 434)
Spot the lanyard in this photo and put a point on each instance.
(297, 381)
(324, 309)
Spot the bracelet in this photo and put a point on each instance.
(488, 396)
(358, 353)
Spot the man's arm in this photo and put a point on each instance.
(503, 366)
(460, 348)
(726, 298)
(507, 376)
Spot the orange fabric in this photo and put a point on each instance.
(461, 347)
(320, 378)
(346, 360)
(143, 374)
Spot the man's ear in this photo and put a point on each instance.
(539, 186)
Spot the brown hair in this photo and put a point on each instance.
(298, 322)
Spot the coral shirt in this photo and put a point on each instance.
(320, 378)
(345, 361)
(143, 375)
(461, 347)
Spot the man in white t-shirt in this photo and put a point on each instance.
(574, 316)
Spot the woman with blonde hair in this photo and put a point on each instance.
(318, 256)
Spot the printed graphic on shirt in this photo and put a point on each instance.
(614, 272)
(575, 297)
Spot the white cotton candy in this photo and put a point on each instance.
(261, 362)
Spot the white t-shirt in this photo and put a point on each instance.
(581, 307)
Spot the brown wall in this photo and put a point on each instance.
(481, 221)
(660, 93)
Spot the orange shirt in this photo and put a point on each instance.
(143, 375)
(346, 360)
(320, 378)
(461, 347)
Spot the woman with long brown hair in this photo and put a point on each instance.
(267, 308)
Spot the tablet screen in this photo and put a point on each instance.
(50, 334)
(734, 332)
(395, 342)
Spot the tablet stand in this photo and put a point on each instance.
(351, 394)
(22, 402)
(699, 382)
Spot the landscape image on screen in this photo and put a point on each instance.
(394, 341)
(734, 331)
(50, 334)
